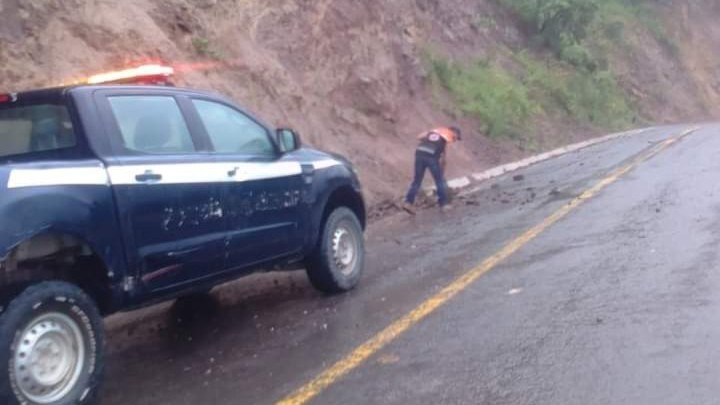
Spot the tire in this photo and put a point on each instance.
(59, 326)
(337, 262)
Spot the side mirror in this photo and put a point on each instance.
(288, 140)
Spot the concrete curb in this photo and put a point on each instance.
(461, 183)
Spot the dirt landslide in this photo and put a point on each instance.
(348, 75)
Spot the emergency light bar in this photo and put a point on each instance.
(8, 97)
(158, 75)
(145, 74)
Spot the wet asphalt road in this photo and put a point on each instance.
(614, 304)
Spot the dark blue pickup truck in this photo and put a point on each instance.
(116, 197)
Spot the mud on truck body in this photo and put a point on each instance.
(116, 197)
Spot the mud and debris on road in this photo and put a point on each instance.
(582, 274)
(527, 326)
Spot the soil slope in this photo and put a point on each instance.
(348, 75)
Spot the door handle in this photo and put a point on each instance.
(148, 177)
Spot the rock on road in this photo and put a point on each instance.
(616, 303)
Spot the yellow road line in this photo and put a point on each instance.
(397, 328)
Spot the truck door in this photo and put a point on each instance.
(168, 197)
(264, 193)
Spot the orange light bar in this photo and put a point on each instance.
(127, 74)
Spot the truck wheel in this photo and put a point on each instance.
(51, 341)
(338, 260)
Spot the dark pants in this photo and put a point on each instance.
(425, 161)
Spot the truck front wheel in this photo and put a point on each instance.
(51, 341)
(338, 260)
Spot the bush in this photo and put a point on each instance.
(504, 102)
(617, 16)
(487, 92)
(588, 97)
(561, 24)
(564, 25)
(597, 99)
(204, 48)
(578, 56)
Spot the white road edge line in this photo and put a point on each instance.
(466, 181)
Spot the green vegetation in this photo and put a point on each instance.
(588, 97)
(571, 28)
(487, 92)
(562, 25)
(204, 48)
(504, 101)
(573, 78)
(616, 16)
(484, 22)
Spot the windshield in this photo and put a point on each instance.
(35, 128)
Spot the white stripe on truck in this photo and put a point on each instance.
(194, 173)
(173, 173)
(70, 176)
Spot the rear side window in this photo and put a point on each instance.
(151, 124)
(35, 128)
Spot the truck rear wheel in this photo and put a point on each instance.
(51, 341)
(338, 260)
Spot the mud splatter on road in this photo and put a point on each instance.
(614, 302)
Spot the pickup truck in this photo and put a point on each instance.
(117, 197)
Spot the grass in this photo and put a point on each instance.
(572, 27)
(506, 102)
(616, 16)
(498, 99)
(572, 77)
(588, 97)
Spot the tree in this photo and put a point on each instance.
(564, 22)
(562, 25)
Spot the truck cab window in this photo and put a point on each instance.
(151, 124)
(233, 132)
(35, 128)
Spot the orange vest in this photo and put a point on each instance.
(447, 134)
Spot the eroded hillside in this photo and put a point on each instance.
(354, 76)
